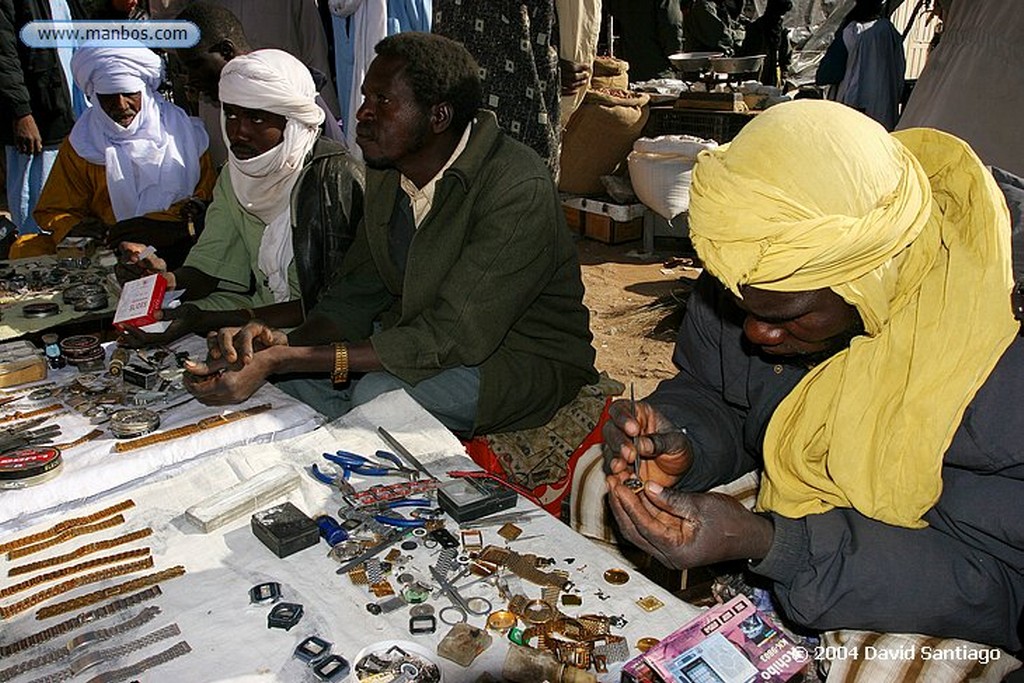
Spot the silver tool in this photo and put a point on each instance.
(403, 451)
(390, 539)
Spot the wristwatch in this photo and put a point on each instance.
(339, 375)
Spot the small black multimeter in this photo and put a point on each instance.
(468, 499)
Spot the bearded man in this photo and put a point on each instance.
(463, 285)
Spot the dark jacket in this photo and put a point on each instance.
(650, 31)
(767, 36)
(32, 80)
(327, 204)
(492, 280)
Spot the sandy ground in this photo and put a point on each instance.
(635, 304)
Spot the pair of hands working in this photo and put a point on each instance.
(239, 360)
(679, 529)
(184, 319)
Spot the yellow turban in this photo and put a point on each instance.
(912, 231)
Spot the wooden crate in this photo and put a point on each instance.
(610, 231)
(575, 219)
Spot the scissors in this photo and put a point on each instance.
(353, 463)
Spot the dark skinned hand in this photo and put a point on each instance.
(185, 319)
(213, 383)
(129, 267)
(237, 346)
(665, 453)
(193, 208)
(27, 138)
(573, 75)
(683, 530)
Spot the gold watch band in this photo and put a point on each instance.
(340, 373)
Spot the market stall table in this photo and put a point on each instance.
(228, 634)
(44, 280)
(95, 469)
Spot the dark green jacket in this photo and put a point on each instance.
(492, 281)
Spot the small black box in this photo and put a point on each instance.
(468, 499)
(285, 529)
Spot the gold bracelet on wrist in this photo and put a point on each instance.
(340, 373)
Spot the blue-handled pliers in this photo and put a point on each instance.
(360, 464)
(402, 522)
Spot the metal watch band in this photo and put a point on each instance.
(188, 430)
(72, 584)
(73, 569)
(112, 591)
(177, 650)
(87, 549)
(87, 661)
(61, 653)
(79, 620)
(66, 536)
(65, 525)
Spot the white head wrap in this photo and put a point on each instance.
(152, 163)
(277, 82)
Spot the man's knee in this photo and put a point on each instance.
(373, 384)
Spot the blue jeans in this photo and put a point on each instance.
(451, 395)
(26, 175)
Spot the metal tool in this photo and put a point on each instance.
(360, 464)
(457, 599)
(404, 452)
(634, 482)
(498, 519)
(389, 540)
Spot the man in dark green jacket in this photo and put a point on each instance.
(463, 285)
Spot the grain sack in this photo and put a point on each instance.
(599, 136)
(660, 169)
(609, 73)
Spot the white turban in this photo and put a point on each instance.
(276, 82)
(154, 162)
(109, 71)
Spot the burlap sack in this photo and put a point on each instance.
(609, 72)
(599, 137)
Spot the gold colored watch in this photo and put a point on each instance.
(339, 375)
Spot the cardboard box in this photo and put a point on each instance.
(610, 231)
(140, 300)
(20, 363)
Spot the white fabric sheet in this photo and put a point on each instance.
(94, 470)
(229, 636)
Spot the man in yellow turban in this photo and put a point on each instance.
(852, 337)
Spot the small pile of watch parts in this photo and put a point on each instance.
(79, 654)
(396, 664)
(472, 577)
(153, 385)
(78, 281)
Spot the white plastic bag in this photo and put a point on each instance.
(660, 169)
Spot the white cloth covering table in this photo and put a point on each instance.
(229, 636)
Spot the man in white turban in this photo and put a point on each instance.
(284, 210)
(853, 338)
(133, 164)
